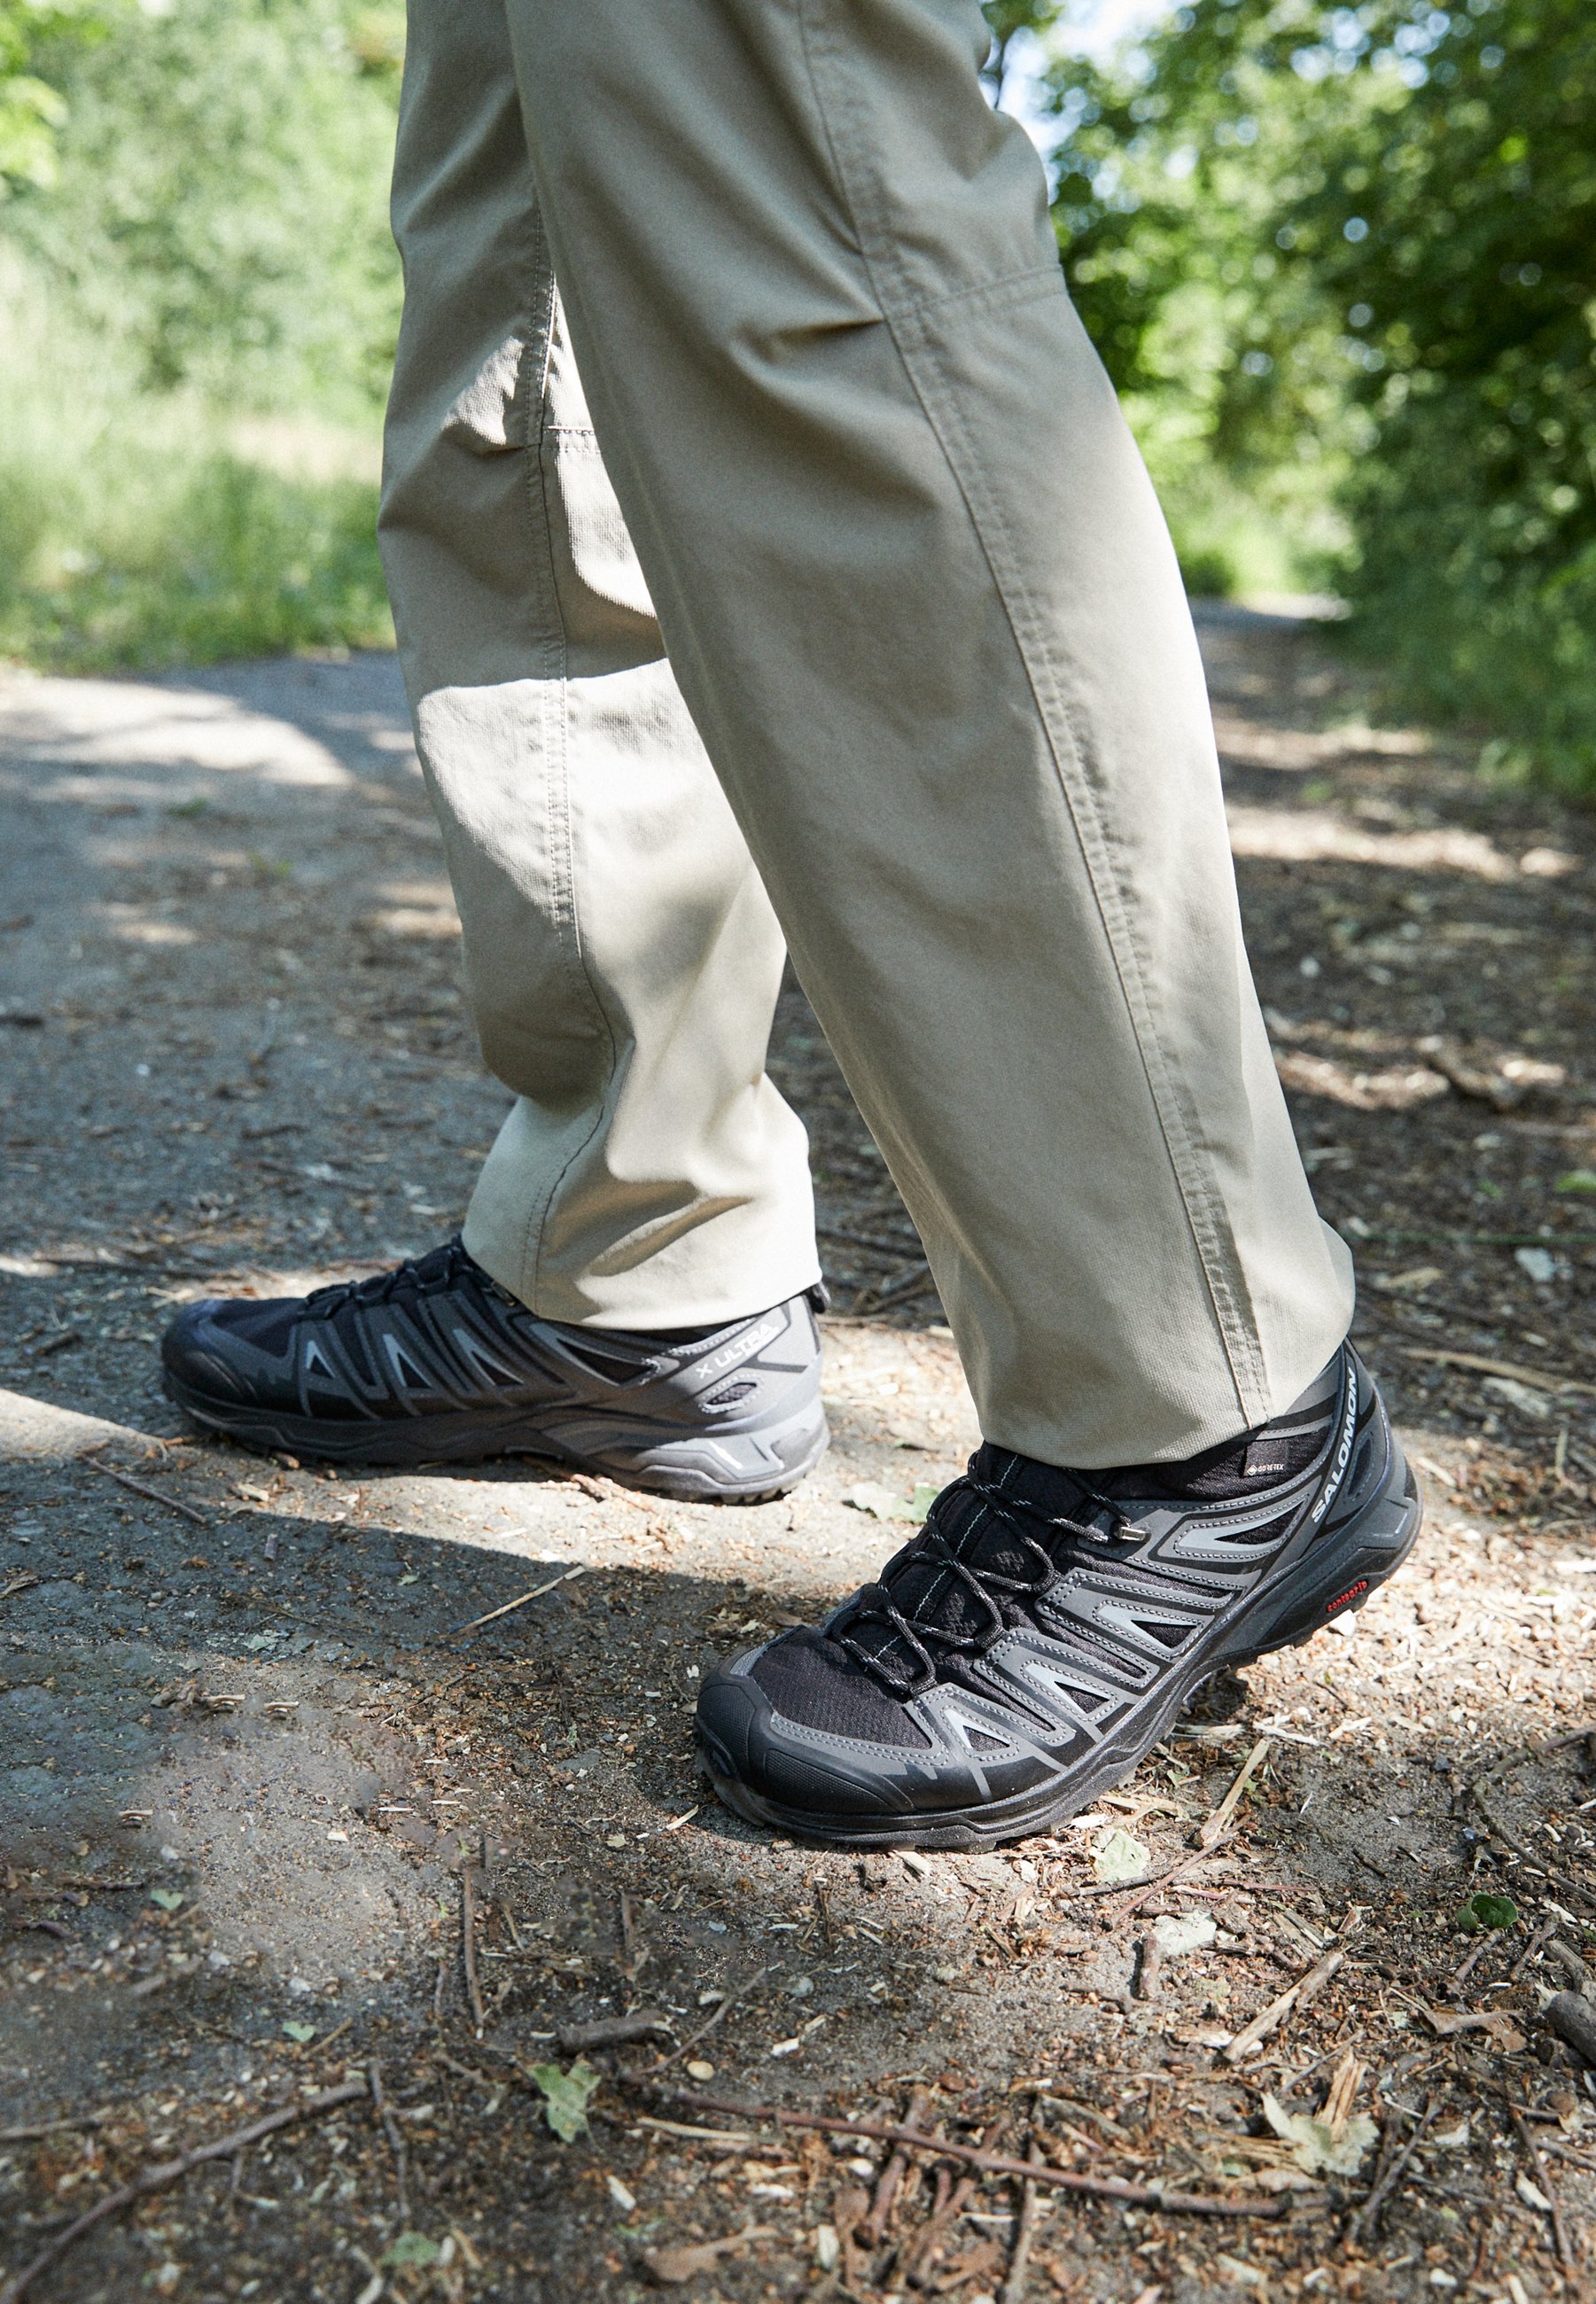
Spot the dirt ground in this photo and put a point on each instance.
(276, 1821)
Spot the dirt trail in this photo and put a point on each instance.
(253, 1772)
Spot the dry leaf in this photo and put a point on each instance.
(1118, 1857)
(1316, 2148)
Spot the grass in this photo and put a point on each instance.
(139, 530)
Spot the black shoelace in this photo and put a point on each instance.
(999, 1596)
(439, 1268)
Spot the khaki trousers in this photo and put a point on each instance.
(836, 607)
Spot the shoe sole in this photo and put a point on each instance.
(1365, 1555)
(683, 1470)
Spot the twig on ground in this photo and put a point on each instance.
(1527, 1855)
(467, 1945)
(1466, 1967)
(893, 2173)
(1102, 2188)
(26, 2135)
(610, 1492)
(390, 2129)
(1140, 1889)
(1295, 1996)
(1213, 1831)
(1554, 2207)
(143, 1488)
(1545, 1929)
(168, 2171)
(1013, 2291)
(913, 2267)
(1542, 1751)
(1541, 1378)
(725, 2009)
(510, 1606)
(1363, 2225)
(612, 2031)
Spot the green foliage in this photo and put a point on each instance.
(219, 203)
(1342, 262)
(146, 529)
(1485, 1911)
(199, 297)
(566, 2097)
(412, 2251)
(31, 108)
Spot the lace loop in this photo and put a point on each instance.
(446, 1262)
(988, 1587)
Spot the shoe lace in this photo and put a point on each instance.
(439, 1268)
(999, 1596)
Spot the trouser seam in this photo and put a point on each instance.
(554, 711)
(1204, 1209)
(904, 318)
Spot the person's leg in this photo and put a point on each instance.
(923, 608)
(634, 1293)
(622, 956)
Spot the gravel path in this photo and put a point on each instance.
(253, 1776)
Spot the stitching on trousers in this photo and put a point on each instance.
(1204, 1212)
(555, 712)
(904, 319)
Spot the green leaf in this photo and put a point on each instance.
(566, 2096)
(168, 1898)
(1578, 1180)
(298, 2031)
(1487, 1911)
(925, 1497)
(411, 2247)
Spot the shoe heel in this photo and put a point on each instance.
(1368, 1554)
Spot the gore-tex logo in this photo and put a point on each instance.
(1342, 1598)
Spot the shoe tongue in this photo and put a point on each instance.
(919, 1583)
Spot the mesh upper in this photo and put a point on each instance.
(921, 1586)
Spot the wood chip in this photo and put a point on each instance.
(1297, 1996)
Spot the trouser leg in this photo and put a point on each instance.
(622, 956)
(922, 607)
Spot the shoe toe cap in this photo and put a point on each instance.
(750, 1747)
(194, 1353)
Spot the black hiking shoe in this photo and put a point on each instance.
(435, 1362)
(1022, 1653)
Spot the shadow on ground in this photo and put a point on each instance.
(254, 1775)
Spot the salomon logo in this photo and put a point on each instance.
(1351, 1593)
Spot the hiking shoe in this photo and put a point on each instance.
(435, 1362)
(1022, 1653)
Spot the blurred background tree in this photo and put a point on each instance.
(1340, 260)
